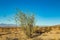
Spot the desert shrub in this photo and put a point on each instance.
(26, 22)
(36, 28)
(7, 38)
(37, 39)
(15, 39)
(59, 39)
(57, 32)
(51, 39)
(45, 35)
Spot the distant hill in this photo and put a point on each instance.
(7, 25)
(14, 25)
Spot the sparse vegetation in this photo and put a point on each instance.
(28, 31)
(26, 22)
(51, 35)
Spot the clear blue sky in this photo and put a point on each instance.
(47, 12)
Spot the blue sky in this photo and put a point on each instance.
(47, 12)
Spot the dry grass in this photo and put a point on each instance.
(13, 34)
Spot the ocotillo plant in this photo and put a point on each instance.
(30, 24)
(22, 19)
(26, 22)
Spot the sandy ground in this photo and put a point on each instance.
(20, 35)
(52, 35)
